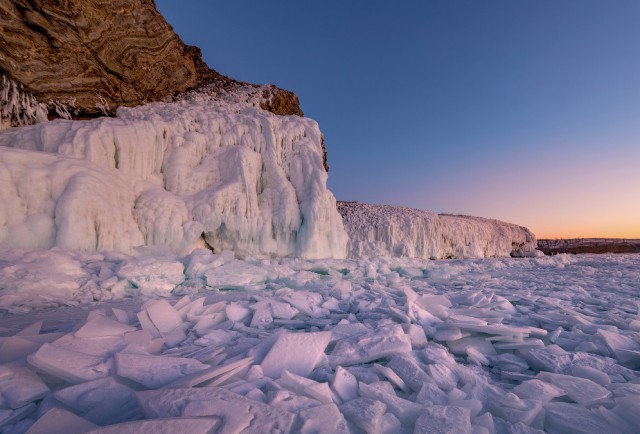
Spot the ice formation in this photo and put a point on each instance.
(383, 230)
(17, 106)
(110, 213)
(212, 171)
(378, 345)
(200, 170)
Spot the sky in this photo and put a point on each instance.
(523, 111)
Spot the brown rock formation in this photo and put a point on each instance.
(91, 56)
(589, 245)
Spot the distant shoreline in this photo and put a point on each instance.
(589, 245)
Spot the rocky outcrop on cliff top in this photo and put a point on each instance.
(87, 57)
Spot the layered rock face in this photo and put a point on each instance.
(589, 245)
(88, 57)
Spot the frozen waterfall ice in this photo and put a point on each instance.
(179, 174)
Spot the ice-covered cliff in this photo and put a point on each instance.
(210, 165)
(382, 230)
(215, 170)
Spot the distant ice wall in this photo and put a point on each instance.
(382, 230)
(179, 174)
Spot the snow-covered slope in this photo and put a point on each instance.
(383, 230)
(178, 174)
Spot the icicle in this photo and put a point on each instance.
(102, 104)
(64, 109)
(18, 107)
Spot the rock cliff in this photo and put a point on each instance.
(589, 245)
(85, 58)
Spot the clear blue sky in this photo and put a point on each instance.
(525, 111)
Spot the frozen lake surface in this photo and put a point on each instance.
(99, 342)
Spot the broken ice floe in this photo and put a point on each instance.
(339, 351)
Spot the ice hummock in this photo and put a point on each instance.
(383, 230)
(197, 172)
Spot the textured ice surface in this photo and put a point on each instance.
(580, 390)
(162, 320)
(404, 409)
(68, 365)
(298, 353)
(571, 418)
(155, 371)
(538, 390)
(199, 425)
(626, 348)
(381, 342)
(409, 370)
(176, 174)
(20, 386)
(102, 401)
(383, 230)
(60, 421)
(365, 413)
(345, 384)
(151, 276)
(443, 419)
(238, 413)
(40, 276)
(348, 346)
(324, 419)
(100, 326)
